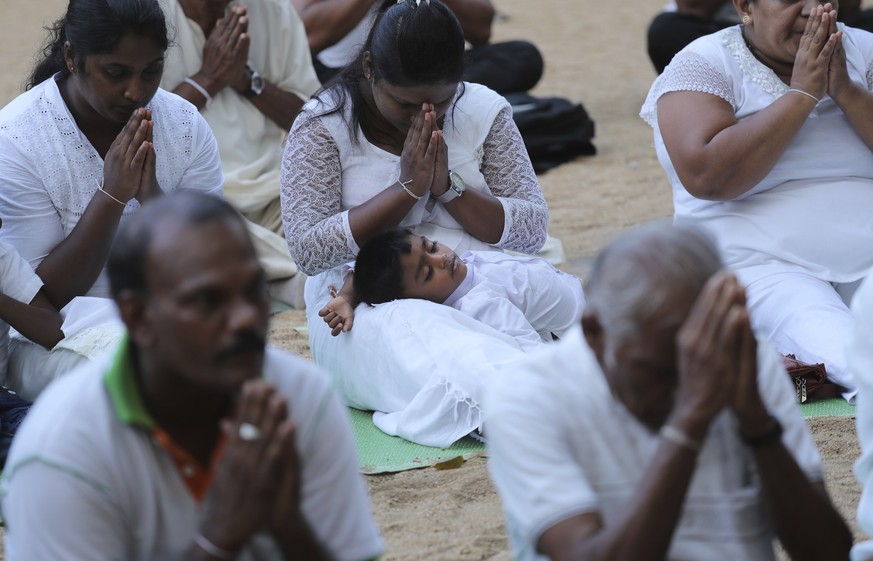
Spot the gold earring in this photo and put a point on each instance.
(746, 19)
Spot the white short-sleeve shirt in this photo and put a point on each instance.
(87, 479)
(524, 297)
(560, 445)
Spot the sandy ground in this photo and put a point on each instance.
(595, 53)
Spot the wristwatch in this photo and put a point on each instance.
(257, 86)
(456, 188)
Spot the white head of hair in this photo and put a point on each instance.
(636, 278)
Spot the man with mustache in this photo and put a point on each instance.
(192, 441)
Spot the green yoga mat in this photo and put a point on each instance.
(380, 453)
(834, 407)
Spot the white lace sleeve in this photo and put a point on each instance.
(690, 72)
(316, 228)
(511, 178)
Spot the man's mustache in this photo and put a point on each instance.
(245, 342)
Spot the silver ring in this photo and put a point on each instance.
(248, 431)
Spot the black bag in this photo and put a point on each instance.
(555, 130)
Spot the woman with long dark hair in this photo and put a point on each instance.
(91, 139)
(397, 139)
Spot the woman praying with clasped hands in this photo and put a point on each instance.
(397, 139)
(91, 139)
(764, 130)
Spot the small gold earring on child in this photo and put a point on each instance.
(746, 19)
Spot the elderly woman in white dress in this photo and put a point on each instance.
(91, 139)
(764, 130)
(399, 139)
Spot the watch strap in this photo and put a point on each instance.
(454, 191)
(771, 435)
(256, 86)
(448, 196)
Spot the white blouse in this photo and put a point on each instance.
(811, 212)
(49, 171)
(326, 172)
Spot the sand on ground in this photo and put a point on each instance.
(595, 53)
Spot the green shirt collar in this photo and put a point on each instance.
(123, 391)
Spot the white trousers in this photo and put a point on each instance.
(806, 317)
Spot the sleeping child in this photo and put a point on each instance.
(524, 297)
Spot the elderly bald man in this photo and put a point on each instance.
(662, 429)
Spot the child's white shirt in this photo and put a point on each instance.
(524, 297)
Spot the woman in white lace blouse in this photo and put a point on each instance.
(764, 130)
(398, 139)
(92, 138)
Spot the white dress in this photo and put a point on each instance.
(806, 227)
(390, 361)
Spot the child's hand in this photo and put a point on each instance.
(338, 314)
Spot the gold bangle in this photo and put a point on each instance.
(408, 191)
(107, 193)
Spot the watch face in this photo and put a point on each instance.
(457, 183)
(257, 83)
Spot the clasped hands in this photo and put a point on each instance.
(257, 480)
(226, 53)
(820, 63)
(717, 363)
(425, 157)
(129, 165)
